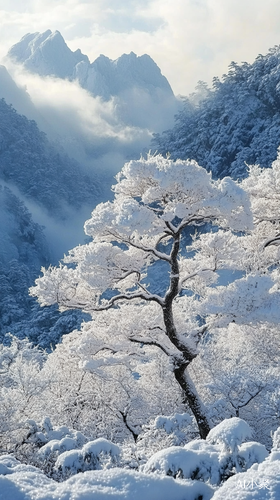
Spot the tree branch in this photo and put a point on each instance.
(134, 295)
(152, 343)
(153, 251)
(272, 241)
(196, 273)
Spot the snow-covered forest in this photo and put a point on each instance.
(145, 363)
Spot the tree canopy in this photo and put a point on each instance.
(156, 199)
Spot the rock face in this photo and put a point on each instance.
(107, 78)
(47, 54)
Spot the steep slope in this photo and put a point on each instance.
(16, 96)
(41, 172)
(20, 237)
(23, 250)
(236, 122)
(21, 101)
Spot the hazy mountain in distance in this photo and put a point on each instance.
(107, 78)
(143, 96)
(47, 54)
(19, 98)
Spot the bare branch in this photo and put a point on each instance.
(134, 295)
(196, 273)
(105, 349)
(166, 235)
(151, 343)
(129, 427)
(252, 397)
(272, 241)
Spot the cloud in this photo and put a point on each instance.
(190, 40)
(197, 40)
(60, 235)
(89, 129)
(79, 121)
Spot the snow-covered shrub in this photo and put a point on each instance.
(177, 425)
(183, 462)
(260, 482)
(213, 460)
(161, 432)
(47, 442)
(21, 386)
(90, 457)
(21, 482)
(230, 433)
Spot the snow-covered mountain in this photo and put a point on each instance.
(141, 95)
(47, 54)
(16, 96)
(107, 78)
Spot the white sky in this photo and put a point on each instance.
(190, 40)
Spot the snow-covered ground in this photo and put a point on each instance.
(22, 482)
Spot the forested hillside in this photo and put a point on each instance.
(41, 172)
(48, 179)
(23, 250)
(235, 123)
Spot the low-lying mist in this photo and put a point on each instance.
(100, 135)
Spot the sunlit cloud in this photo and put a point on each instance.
(190, 40)
(88, 129)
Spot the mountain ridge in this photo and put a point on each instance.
(47, 54)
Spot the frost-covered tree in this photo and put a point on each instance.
(237, 372)
(156, 200)
(21, 385)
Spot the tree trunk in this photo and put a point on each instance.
(187, 356)
(192, 398)
(181, 374)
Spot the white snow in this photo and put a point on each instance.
(261, 482)
(253, 452)
(230, 433)
(181, 462)
(73, 461)
(115, 484)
